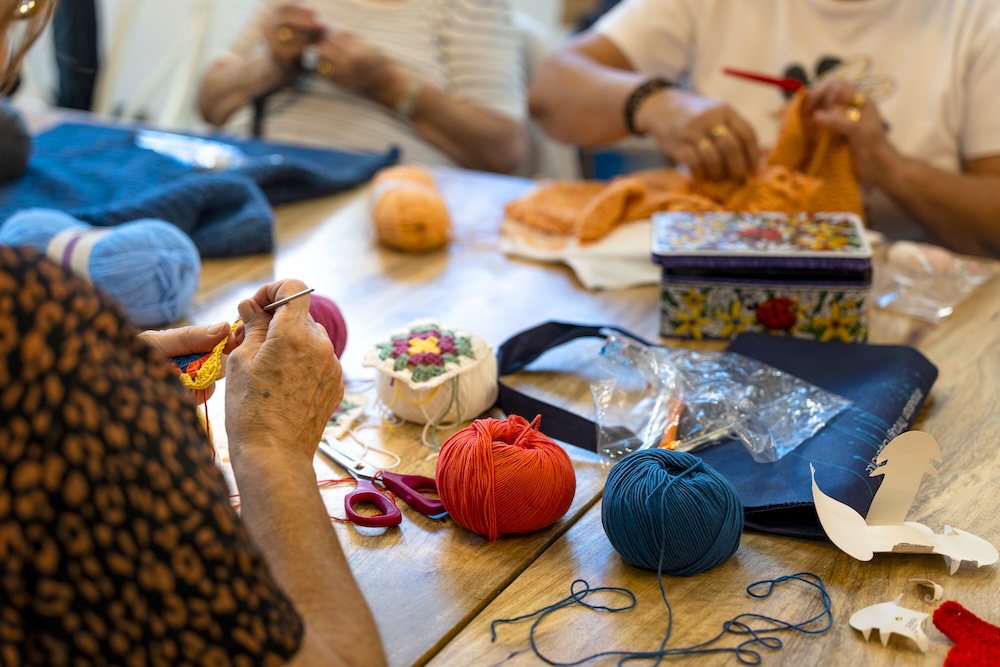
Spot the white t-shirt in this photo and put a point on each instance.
(932, 66)
(466, 47)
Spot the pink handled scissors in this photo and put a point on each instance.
(410, 488)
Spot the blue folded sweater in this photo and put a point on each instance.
(99, 175)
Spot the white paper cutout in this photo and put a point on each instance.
(902, 464)
(927, 583)
(889, 618)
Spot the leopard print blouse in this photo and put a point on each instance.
(118, 545)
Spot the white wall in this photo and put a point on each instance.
(164, 34)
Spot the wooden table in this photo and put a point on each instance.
(434, 587)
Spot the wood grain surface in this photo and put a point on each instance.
(434, 587)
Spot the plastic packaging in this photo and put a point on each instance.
(637, 399)
(685, 399)
(926, 281)
(195, 152)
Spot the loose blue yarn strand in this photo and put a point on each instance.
(739, 625)
(670, 512)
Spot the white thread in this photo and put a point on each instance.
(365, 448)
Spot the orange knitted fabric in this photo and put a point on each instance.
(408, 212)
(808, 170)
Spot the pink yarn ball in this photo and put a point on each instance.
(328, 314)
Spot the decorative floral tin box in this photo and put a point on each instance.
(804, 275)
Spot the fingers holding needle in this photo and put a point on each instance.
(281, 302)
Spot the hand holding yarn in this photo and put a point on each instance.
(501, 476)
(284, 380)
(408, 211)
(195, 340)
(668, 511)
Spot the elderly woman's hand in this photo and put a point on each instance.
(289, 29)
(705, 134)
(841, 107)
(355, 65)
(284, 380)
(183, 341)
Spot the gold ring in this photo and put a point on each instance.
(703, 143)
(858, 100)
(284, 34)
(719, 130)
(324, 68)
(853, 114)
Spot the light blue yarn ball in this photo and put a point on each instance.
(150, 267)
(668, 510)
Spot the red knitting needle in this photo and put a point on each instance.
(791, 85)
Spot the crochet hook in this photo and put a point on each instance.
(282, 302)
(791, 85)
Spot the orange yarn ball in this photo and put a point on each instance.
(501, 476)
(408, 211)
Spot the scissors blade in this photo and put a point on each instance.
(355, 466)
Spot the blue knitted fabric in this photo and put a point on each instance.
(99, 175)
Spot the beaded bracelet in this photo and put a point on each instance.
(637, 96)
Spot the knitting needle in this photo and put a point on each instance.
(282, 302)
(791, 85)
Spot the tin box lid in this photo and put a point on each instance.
(822, 236)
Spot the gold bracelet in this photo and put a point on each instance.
(406, 105)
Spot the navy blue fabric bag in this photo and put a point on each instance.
(99, 175)
(888, 384)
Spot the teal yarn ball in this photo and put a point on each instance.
(150, 267)
(669, 511)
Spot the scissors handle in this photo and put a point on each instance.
(366, 492)
(409, 488)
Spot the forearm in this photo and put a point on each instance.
(232, 82)
(285, 514)
(579, 101)
(474, 137)
(962, 209)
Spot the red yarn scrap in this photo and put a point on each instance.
(501, 476)
(977, 643)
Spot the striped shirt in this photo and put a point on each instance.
(468, 48)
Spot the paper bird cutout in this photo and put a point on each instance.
(889, 618)
(902, 464)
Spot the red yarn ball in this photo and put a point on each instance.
(325, 312)
(501, 476)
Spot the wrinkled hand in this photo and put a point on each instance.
(839, 106)
(289, 29)
(183, 341)
(357, 66)
(704, 134)
(284, 379)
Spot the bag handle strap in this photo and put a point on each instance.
(523, 348)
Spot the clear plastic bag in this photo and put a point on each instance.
(195, 152)
(685, 399)
(926, 281)
(637, 399)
